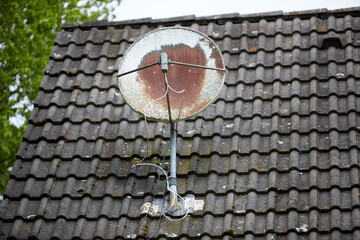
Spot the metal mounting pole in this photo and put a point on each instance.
(172, 179)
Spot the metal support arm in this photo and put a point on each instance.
(138, 69)
(197, 66)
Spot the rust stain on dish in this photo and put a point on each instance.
(179, 77)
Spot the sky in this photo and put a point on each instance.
(134, 9)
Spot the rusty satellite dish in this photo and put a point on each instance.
(193, 63)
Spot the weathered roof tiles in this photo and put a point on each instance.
(275, 156)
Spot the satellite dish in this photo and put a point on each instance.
(169, 75)
(193, 63)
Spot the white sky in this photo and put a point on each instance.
(134, 9)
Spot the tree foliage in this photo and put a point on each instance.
(28, 30)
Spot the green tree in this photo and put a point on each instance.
(27, 32)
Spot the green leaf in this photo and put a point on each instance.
(28, 30)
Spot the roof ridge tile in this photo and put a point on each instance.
(188, 18)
